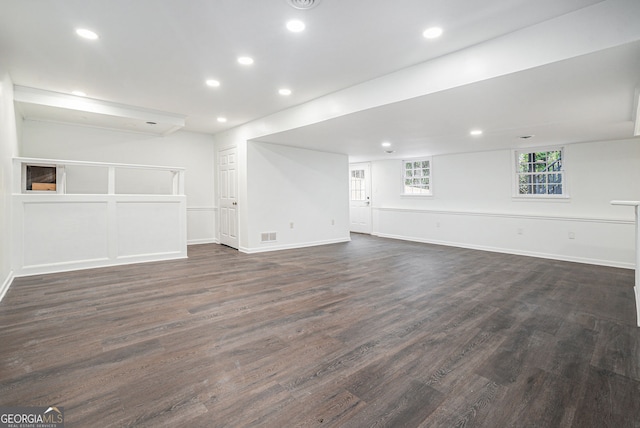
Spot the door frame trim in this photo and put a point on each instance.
(218, 194)
(370, 195)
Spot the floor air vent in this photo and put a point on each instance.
(267, 237)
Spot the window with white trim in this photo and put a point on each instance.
(416, 177)
(540, 173)
(358, 189)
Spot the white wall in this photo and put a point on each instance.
(288, 185)
(511, 53)
(8, 150)
(472, 205)
(193, 151)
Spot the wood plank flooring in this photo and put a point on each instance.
(373, 332)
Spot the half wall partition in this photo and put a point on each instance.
(74, 215)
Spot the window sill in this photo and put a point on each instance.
(414, 195)
(560, 198)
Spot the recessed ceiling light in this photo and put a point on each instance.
(386, 144)
(245, 60)
(152, 123)
(213, 83)
(87, 34)
(475, 132)
(432, 33)
(526, 137)
(284, 91)
(303, 4)
(79, 93)
(221, 119)
(295, 26)
(389, 151)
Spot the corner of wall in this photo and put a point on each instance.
(637, 290)
(9, 148)
(4, 287)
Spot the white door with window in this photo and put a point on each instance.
(360, 197)
(228, 182)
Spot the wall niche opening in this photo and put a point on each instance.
(41, 178)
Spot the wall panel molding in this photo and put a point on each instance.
(591, 240)
(70, 229)
(202, 225)
(509, 251)
(510, 215)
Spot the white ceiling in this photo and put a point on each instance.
(157, 54)
(588, 98)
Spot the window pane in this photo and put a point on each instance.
(540, 167)
(416, 177)
(553, 189)
(525, 189)
(357, 185)
(539, 173)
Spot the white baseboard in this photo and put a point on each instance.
(550, 256)
(5, 285)
(637, 290)
(203, 241)
(292, 246)
(98, 263)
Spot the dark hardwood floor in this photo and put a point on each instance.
(374, 332)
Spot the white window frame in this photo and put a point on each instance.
(542, 196)
(429, 177)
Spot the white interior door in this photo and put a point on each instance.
(228, 182)
(360, 197)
